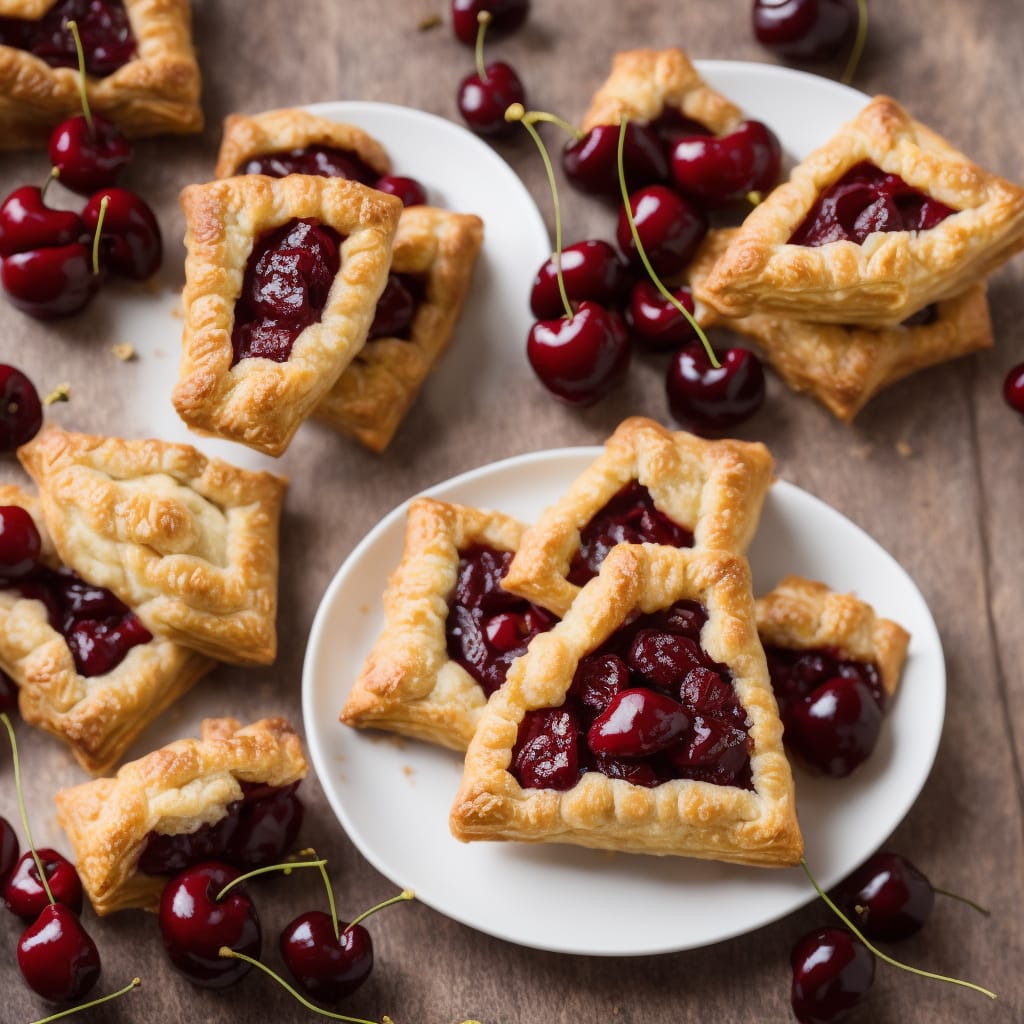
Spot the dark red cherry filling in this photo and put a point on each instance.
(287, 281)
(324, 161)
(629, 518)
(397, 307)
(107, 38)
(864, 200)
(671, 124)
(649, 705)
(487, 627)
(256, 831)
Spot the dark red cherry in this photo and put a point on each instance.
(9, 847)
(832, 972)
(20, 543)
(8, 706)
(1013, 388)
(396, 308)
(130, 243)
(665, 659)
(21, 413)
(580, 358)
(722, 169)
(88, 159)
(266, 830)
(483, 100)
(598, 679)
(26, 222)
(591, 269)
(836, 727)
(704, 398)
(56, 956)
(547, 750)
(409, 190)
(637, 723)
(804, 29)
(324, 967)
(670, 229)
(50, 283)
(194, 925)
(591, 163)
(506, 17)
(887, 897)
(655, 322)
(24, 894)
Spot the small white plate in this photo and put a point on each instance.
(393, 796)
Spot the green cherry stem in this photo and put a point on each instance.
(283, 868)
(310, 852)
(963, 899)
(21, 805)
(712, 358)
(402, 897)
(882, 956)
(134, 983)
(858, 43)
(483, 19)
(73, 26)
(50, 179)
(100, 218)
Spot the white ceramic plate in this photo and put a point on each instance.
(393, 797)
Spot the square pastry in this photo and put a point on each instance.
(229, 796)
(644, 721)
(881, 221)
(450, 631)
(188, 543)
(282, 278)
(87, 670)
(650, 485)
(141, 70)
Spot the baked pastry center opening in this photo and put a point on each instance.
(285, 288)
(397, 307)
(488, 628)
(107, 38)
(325, 161)
(866, 200)
(630, 517)
(648, 706)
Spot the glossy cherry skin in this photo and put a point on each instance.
(887, 897)
(21, 412)
(483, 101)
(56, 956)
(195, 926)
(9, 848)
(50, 283)
(20, 543)
(324, 967)
(669, 227)
(8, 706)
(591, 163)
(26, 222)
(704, 398)
(579, 359)
(717, 170)
(24, 894)
(832, 972)
(804, 29)
(409, 190)
(1013, 388)
(637, 723)
(591, 269)
(130, 243)
(88, 160)
(547, 750)
(655, 322)
(506, 17)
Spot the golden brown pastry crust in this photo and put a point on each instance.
(801, 613)
(713, 488)
(98, 717)
(685, 817)
(156, 93)
(643, 83)
(188, 543)
(279, 131)
(372, 397)
(892, 274)
(257, 401)
(174, 790)
(409, 684)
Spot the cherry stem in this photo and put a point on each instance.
(73, 26)
(402, 897)
(483, 19)
(21, 806)
(50, 179)
(963, 899)
(712, 358)
(516, 112)
(284, 868)
(330, 893)
(858, 43)
(104, 202)
(882, 956)
(134, 983)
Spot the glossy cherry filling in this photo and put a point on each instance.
(324, 161)
(795, 673)
(107, 38)
(397, 306)
(98, 628)
(671, 124)
(629, 518)
(287, 281)
(649, 705)
(863, 201)
(256, 831)
(487, 627)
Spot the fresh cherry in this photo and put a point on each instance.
(130, 243)
(24, 894)
(887, 897)
(50, 283)
(804, 29)
(591, 164)
(506, 17)
(580, 358)
(326, 968)
(409, 190)
(637, 723)
(56, 956)
(89, 156)
(26, 222)
(832, 972)
(195, 925)
(8, 705)
(591, 269)
(669, 227)
(484, 97)
(717, 170)
(1013, 388)
(702, 397)
(21, 413)
(9, 847)
(20, 543)
(655, 322)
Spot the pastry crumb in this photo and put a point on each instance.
(364, 609)
(428, 22)
(904, 449)
(61, 393)
(124, 351)
(410, 773)
(861, 451)
(178, 312)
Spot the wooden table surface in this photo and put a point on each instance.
(931, 470)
